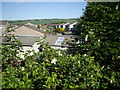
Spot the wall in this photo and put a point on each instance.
(59, 48)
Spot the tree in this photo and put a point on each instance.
(100, 26)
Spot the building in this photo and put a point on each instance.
(68, 26)
(44, 26)
(27, 30)
(58, 41)
(28, 43)
(63, 25)
(27, 35)
(3, 27)
(52, 25)
(30, 24)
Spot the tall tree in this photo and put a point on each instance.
(100, 28)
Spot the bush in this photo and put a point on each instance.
(59, 30)
(55, 70)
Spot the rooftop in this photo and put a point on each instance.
(25, 40)
(58, 40)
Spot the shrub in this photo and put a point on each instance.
(55, 70)
(59, 30)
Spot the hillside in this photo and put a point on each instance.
(43, 21)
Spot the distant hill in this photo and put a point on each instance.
(43, 21)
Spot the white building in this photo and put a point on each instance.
(68, 26)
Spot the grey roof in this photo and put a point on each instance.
(25, 40)
(51, 39)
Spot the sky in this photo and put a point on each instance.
(41, 10)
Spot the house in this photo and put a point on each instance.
(27, 35)
(3, 26)
(35, 25)
(28, 43)
(68, 26)
(58, 41)
(1, 30)
(30, 24)
(27, 30)
(63, 25)
(44, 26)
(52, 25)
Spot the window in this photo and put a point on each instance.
(61, 26)
(59, 41)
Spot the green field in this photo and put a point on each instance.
(43, 21)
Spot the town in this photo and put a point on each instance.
(56, 35)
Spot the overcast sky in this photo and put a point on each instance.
(41, 10)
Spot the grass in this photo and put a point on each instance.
(43, 21)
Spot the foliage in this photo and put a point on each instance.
(100, 31)
(59, 30)
(53, 69)
(47, 31)
(100, 26)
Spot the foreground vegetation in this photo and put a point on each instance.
(53, 69)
